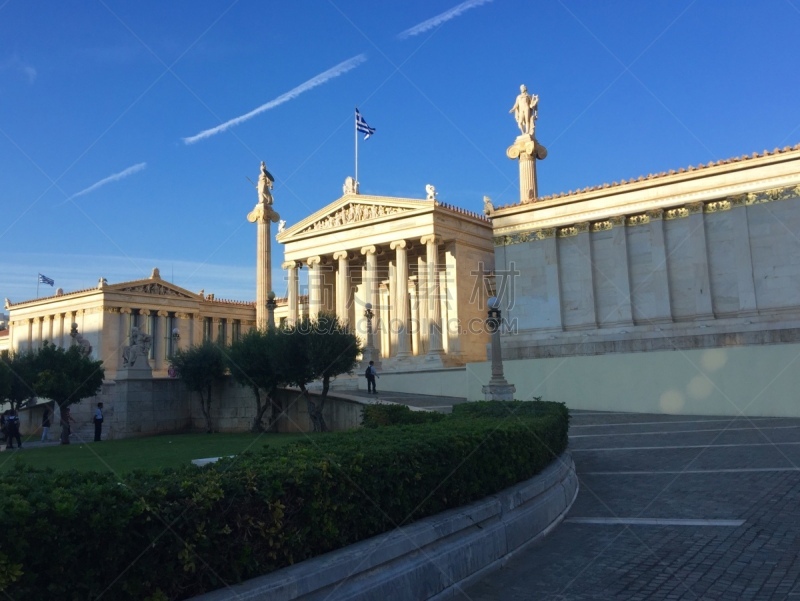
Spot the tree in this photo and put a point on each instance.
(20, 372)
(200, 367)
(252, 362)
(318, 349)
(66, 376)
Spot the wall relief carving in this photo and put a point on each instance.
(155, 288)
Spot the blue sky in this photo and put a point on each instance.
(98, 97)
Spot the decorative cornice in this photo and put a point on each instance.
(676, 213)
(641, 219)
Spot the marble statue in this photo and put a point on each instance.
(281, 226)
(83, 345)
(526, 110)
(488, 207)
(350, 186)
(265, 182)
(431, 191)
(136, 354)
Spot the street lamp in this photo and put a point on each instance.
(497, 389)
(271, 304)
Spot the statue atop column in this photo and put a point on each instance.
(526, 110)
(526, 148)
(265, 183)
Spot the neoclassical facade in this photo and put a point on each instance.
(424, 267)
(173, 317)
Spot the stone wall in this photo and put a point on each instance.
(696, 272)
(144, 407)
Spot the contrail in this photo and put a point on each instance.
(111, 178)
(442, 18)
(315, 81)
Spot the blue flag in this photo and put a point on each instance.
(43, 279)
(361, 125)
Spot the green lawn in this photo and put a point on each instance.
(154, 452)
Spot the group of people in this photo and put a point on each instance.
(9, 425)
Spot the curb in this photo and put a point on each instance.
(431, 559)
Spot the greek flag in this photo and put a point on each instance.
(43, 279)
(362, 126)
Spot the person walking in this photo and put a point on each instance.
(45, 424)
(12, 427)
(371, 375)
(98, 422)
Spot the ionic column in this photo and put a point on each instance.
(124, 332)
(184, 331)
(401, 296)
(30, 335)
(164, 333)
(342, 285)
(414, 323)
(373, 296)
(51, 328)
(434, 308)
(39, 331)
(62, 318)
(314, 287)
(526, 149)
(291, 268)
(384, 334)
(422, 301)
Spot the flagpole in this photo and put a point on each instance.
(355, 136)
(37, 286)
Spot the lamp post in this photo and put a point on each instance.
(497, 389)
(271, 304)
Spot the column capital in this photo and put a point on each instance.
(163, 313)
(125, 310)
(314, 261)
(431, 239)
(144, 311)
(291, 265)
(341, 254)
(370, 250)
(400, 244)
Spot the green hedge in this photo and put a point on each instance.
(376, 416)
(177, 533)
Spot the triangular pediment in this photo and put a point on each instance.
(353, 210)
(155, 287)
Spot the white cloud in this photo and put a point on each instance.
(15, 63)
(441, 18)
(111, 178)
(315, 81)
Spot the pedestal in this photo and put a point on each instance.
(499, 391)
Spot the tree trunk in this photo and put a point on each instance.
(314, 413)
(205, 406)
(277, 409)
(65, 427)
(260, 410)
(326, 384)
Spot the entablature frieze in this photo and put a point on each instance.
(645, 217)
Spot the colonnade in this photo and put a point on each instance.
(408, 299)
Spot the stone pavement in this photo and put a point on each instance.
(729, 490)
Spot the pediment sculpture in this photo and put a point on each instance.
(352, 213)
(155, 288)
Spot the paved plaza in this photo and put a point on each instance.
(670, 507)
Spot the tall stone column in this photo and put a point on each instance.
(434, 309)
(526, 150)
(314, 287)
(373, 296)
(414, 323)
(164, 334)
(658, 269)
(400, 247)
(291, 268)
(263, 215)
(422, 300)
(383, 335)
(342, 285)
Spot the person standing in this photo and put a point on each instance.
(98, 422)
(45, 424)
(12, 427)
(371, 375)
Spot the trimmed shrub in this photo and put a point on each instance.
(176, 533)
(385, 414)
